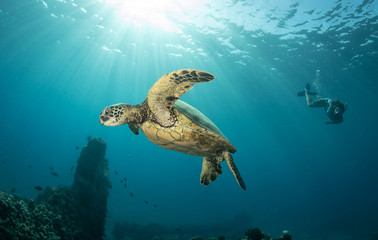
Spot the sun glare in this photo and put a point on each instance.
(164, 14)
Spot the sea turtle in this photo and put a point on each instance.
(174, 124)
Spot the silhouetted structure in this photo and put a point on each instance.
(76, 212)
(91, 188)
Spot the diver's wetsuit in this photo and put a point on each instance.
(330, 111)
(330, 107)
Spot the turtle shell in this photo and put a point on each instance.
(197, 117)
(193, 133)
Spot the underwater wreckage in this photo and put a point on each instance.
(75, 212)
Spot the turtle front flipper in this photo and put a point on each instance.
(170, 87)
(211, 169)
(230, 162)
(134, 127)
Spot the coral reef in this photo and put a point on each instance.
(285, 236)
(76, 212)
(255, 234)
(20, 219)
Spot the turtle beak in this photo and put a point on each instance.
(103, 116)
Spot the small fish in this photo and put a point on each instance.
(121, 181)
(115, 171)
(3, 162)
(38, 188)
(77, 147)
(178, 230)
(132, 194)
(51, 168)
(55, 174)
(110, 186)
(13, 190)
(155, 206)
(145, 202)
(30, 166)
(125, 179)
(125, 185)
(72, 168)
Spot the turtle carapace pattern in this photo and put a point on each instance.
(174, 124)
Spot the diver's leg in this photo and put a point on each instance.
(309, 99)
(318, 103)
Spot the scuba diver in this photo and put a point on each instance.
(333, 107)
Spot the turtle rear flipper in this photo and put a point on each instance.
(170, 87)
(230, 162)
(211, 169)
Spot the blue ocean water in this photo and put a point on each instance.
(63, 61)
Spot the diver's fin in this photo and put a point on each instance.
(307, 87)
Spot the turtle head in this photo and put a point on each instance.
(116, 115)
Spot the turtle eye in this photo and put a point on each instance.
(107, 110)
